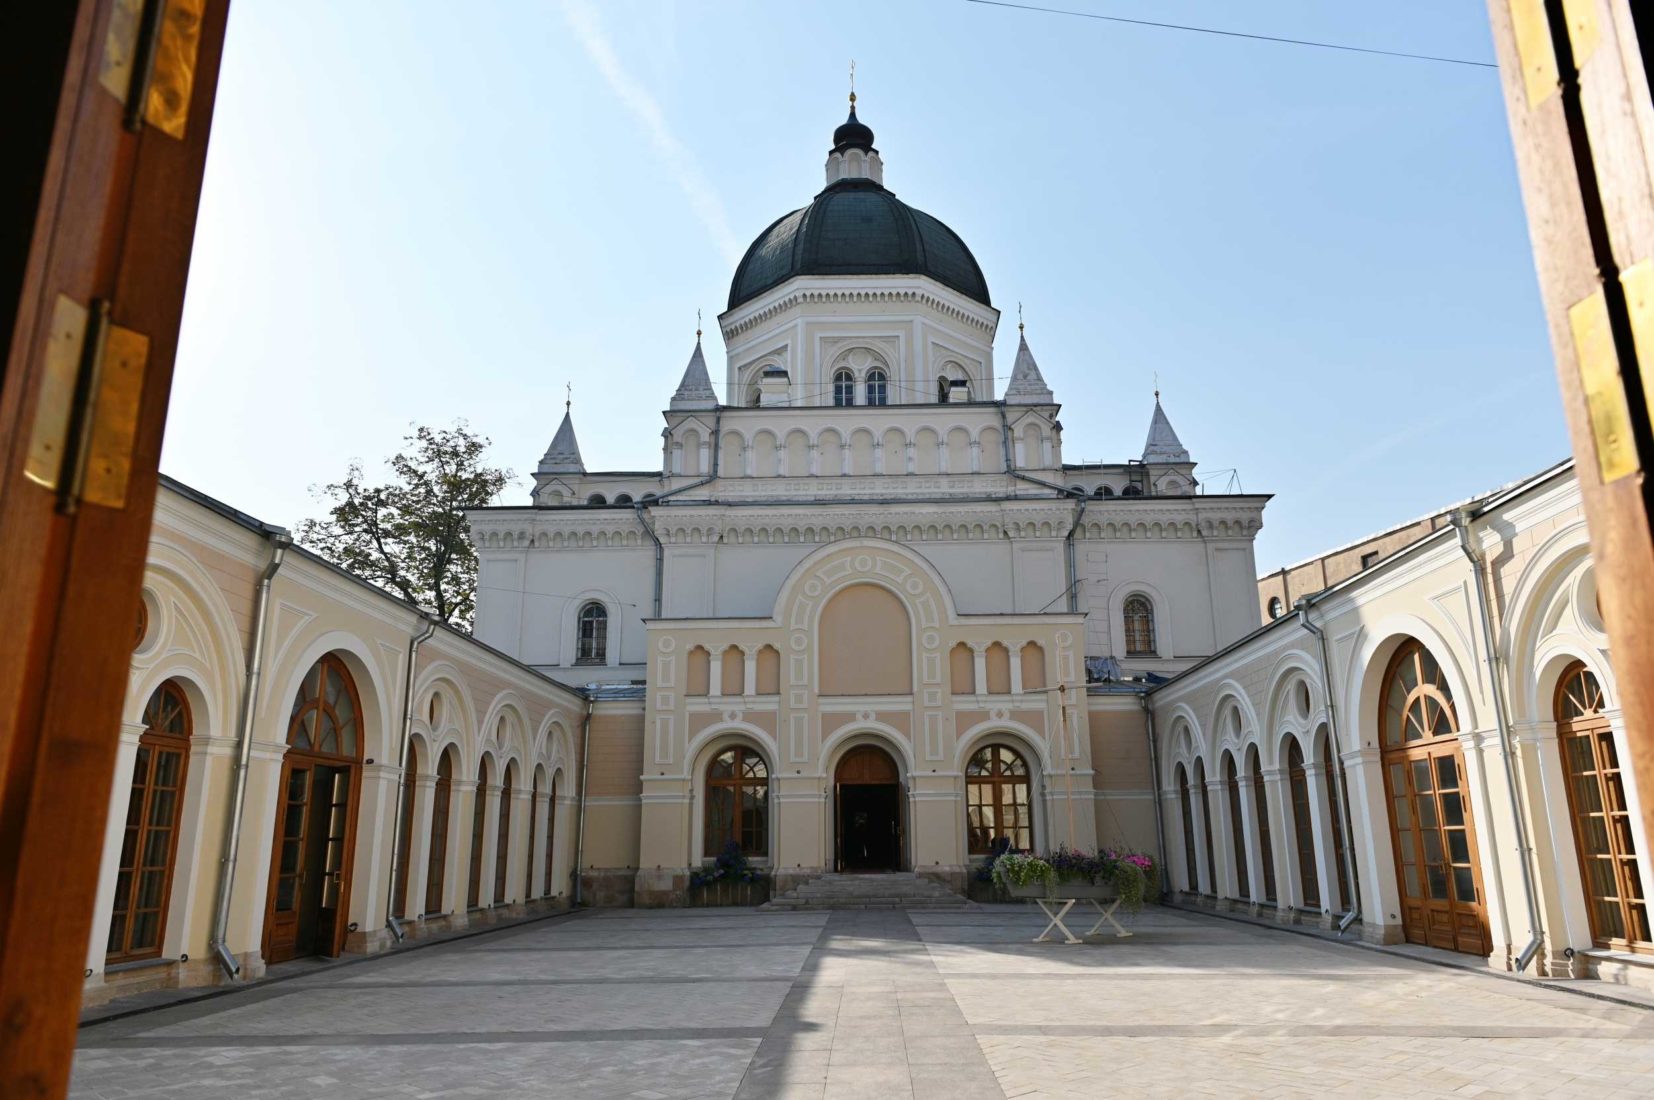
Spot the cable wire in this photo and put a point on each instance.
(1236, 34)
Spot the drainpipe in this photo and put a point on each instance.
(397, 854)
(1154, 777)
(580, 817)
(280, 540)
(1462, 519)
(1342, 779)
(1062, 490)
(641, 508)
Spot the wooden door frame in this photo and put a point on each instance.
(347, 866)
(902, 861)
(1430, 750)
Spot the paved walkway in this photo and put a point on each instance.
(734, 1003)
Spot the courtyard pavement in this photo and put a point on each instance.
(736, 1003)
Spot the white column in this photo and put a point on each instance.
(1320, 806)
(1016, 668)
(1018, 451)
(490, 843)
(1288, 889)
(715, 672)
(677, 456)
(705, 456)
(748, 465)
(1198, 805)
(418, 855)
(980, 654)
(911, 466)
(749, 681)
(815, 458)
(1226, 878)
(976, 456)
(878, 456)
(1254, 850)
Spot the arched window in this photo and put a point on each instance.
(1187, 806)
(1603, 827)
(324, 719)
(1139, 619)
(1237, 826)
(399, 893)
(479, 818)
(1104, 491)
(877, 384)
(597, 498)
(502, 836)
(755, 397)
(1206, 828)
(1303, 828)
(737, 802)
(1266, 847)
(143, 882)
(1276, 607)
(997, 802)
(844, 387)
(528, 840)
(592, 635)
(1132, 491)
(623, 498)
(1329, 766)
(942, 389)
(436, 867)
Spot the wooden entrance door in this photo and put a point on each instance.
(868, 801)
(310, 880)
(1438, 868)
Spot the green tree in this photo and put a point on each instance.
(410, 534)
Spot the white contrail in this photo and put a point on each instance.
(702, 197)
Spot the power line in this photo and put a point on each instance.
(1235, 34)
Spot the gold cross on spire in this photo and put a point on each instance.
(697, 326)
(1019, 316)
(568, 402)
(1157, 387)
(852, 84)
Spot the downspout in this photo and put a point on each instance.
(1462, 519)
(397, 854)
(641, 508)
(280, 540)
(1341, 778)
(1062, 490)
(580, 816)
(1154, 777)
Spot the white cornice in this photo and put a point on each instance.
(866, 289)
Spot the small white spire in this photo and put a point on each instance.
(1027, 385)
(695, 391)
(1163, 444)
(563, 456)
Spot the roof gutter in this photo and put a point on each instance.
(1353, 913)
(1462, 520)
(280, 540)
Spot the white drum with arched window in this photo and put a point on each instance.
(998, 803)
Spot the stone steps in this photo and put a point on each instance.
(889, 890)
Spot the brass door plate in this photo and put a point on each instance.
(1599, 376)
(44, 466)
(1540, 75)
(170, 75)
(115, 418)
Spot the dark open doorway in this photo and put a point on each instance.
(869, 811)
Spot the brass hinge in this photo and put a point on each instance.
(86, 419)
(149, 61)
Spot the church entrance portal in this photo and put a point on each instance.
(868, 811)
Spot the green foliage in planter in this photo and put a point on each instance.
(1012, 870)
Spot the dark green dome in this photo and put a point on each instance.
(856, 227)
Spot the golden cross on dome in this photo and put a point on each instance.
(852, 84)
(568, 402)
(1019, 316)
(1157, 387)
(697, 326)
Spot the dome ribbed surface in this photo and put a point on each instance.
(856, 227)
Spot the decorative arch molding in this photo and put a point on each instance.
(1554, 655)
(569, 632)
(898, 565)
(444, 676)
(1023, 737)
(1224, 737)
(1290, 669)
(551, 741)
(508, 702)
(207, 713)
(195, 630)
(1226, 692)
(379, 729)
(715, 738)
(877, 734)
(450, 738)
(1184, 733)
(1546, 590)
(1370, 656)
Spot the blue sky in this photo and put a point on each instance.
(433, 216)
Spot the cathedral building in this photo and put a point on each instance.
(869, 560)
(864, 618)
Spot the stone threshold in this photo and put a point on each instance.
(1432, 956)
(137, 1004)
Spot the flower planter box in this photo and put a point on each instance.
(1065, 891)
(728, 893)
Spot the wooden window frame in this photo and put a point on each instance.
(436, 859)
(1237, 826)
(877, 398)
(1579, 685)
(1137, 619)
(591, 634)
(502, 836)
(1192, 865)
(157, 740)
(1303, 825)
(738, 782)
(1001, 785)
(844, 388)
(1266, 843)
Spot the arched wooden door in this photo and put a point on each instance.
(869, 829)
(149, 841)
(321, 778)
(1437, 865)
(436, 868)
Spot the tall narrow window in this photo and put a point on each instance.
(1139, 618)
(1205, 794)
(592, 642)
(1603, 827)
(551, 840)
(436, 869)
(1266, 846)
(502, 841)
(143, 883)
(1303, 828)
(942, 388)
(737, 802)
(844, 387)
(877, 387)
(1237, 826)
(997, 802)
(1188, 809)
(528, 839)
